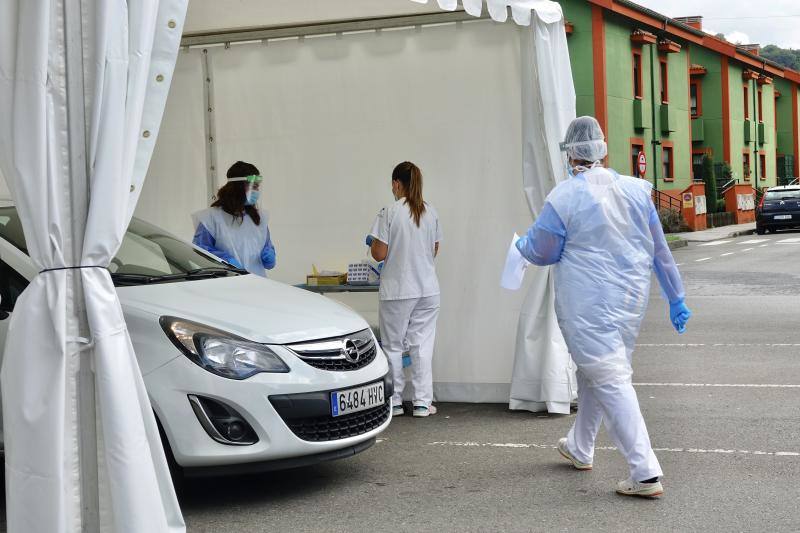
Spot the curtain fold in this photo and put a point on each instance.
(84, 85)
(544, 375)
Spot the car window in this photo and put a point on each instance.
(783, 195)
(11, 228)
(146, 250)
(11, 286)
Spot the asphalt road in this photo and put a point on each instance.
(722, 403)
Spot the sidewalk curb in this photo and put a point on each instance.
(674, 245)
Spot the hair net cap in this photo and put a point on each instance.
(585, 141)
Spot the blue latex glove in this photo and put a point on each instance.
(268, 257)
(679, 315)
(369, 240)
(406, 360)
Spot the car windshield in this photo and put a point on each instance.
(783, 195)
(147, 255)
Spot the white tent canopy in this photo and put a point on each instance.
(326, 117)
(78, 81)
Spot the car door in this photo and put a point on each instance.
(11, 286)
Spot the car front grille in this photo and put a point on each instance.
(329, 354)
(327, 428)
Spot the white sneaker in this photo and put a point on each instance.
(422, 411)
(397, 410)
(562, 449)
(629, 487)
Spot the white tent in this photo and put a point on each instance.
(83, 85)
(82, 88)
(325, 106)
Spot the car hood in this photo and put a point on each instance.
(249, 306)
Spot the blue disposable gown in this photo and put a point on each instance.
(238, 241)
(602, 232)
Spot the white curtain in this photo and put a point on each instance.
(83, 85)
(544, 375)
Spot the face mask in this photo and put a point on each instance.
(251, 197)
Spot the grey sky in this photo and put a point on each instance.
(740, 20)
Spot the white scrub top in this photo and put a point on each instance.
(408, 270)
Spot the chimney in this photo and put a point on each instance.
(751, 48)
(694, 22)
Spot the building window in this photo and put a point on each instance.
(666, 161)
(746, 166)
(664, 80)
(696, 98)
(762, 167)
(697, 166)
(636, 149)
(637, 74)
(746, 103)
(760, 107)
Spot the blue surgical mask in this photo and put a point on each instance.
(252, 197)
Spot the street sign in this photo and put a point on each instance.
(641, 163)
(688, 200)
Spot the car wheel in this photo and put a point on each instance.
(760, 230)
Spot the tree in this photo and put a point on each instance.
(787, 57)
(711, 184)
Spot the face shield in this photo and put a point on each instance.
(251, 191)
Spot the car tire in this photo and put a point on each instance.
(760, 230)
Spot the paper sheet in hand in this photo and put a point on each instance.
(514, 271)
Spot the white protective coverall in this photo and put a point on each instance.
(603, 233)
(409, 295)
(235, 238)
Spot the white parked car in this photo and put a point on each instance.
(244, 374)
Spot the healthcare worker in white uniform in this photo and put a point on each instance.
(233, 228)
(406, 237)
(602, 232)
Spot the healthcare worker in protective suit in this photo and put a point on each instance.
(406, 237)
(233, 228)
(602, 232)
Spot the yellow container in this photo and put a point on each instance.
(316, 281)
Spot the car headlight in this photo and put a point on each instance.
(220, 352)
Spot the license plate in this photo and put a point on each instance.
(358, 399)
(783, 217)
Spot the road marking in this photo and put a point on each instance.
(795, 240)
(721, 385)
(753, 241)
(719, 345)
(679, 265)
(526, 445)
(714, 243)
(727, 254)
(763, 245)
(701, 260)
(747, 249)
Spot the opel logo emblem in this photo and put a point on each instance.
(350, 351)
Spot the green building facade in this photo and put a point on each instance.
(664, 87)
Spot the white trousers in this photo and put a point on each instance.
(410, 324)
(618, 407)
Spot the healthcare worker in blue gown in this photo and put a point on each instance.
(602, 232)
(233, 228)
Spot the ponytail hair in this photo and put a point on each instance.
(410, 176)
